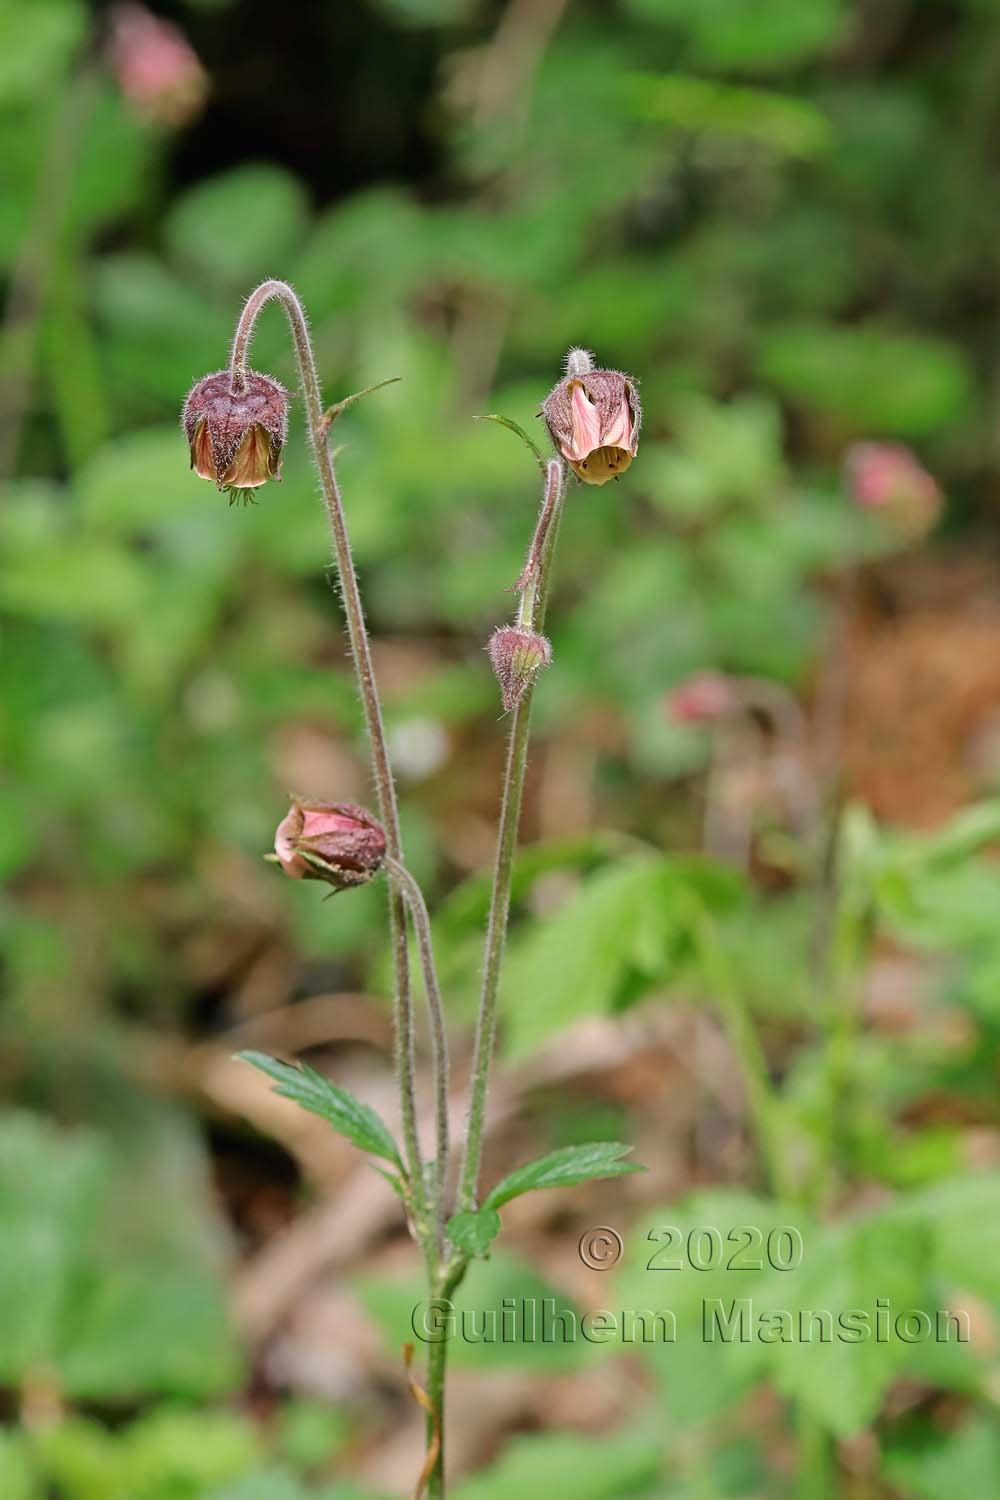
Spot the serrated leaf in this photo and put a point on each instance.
(583, 956)
(474, 1232)
(312, 1092)
(564, 1168)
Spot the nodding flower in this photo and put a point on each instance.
(236, 437)
(594, 418)
(338, 842)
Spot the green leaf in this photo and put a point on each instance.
(94, 583)
(563, 1168)
(780, 122)
(18, 1479)
(697, 1379)
(881, 381)
(112, 1272)
(962, 1217)
(605, 1468)
(37, 40)
(620, 922)
(141, 482)
(745, 33)
(474, 1232)
(519, 431)
(240, 224)
(357, 1121)
(855, 1267)
(965, 1461)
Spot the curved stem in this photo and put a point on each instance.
(531, 616)
(439, 1037)
(362, 658)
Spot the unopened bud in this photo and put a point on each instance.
(594, 418)
(338, 842)
(704, 698)
(889, 478)
(236, 437)
(517, 656)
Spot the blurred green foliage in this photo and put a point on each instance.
(781, 217)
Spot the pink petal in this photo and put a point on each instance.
(318, 821)
(288, 830)
(586, 425)
(619, 434)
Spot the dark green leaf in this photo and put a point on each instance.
(563, 1168)
(357, 1121)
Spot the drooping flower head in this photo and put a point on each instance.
(236, 437)
(594, 418)
(338, 842)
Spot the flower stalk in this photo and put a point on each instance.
(361, 655)
(236, 421)
(531, 618)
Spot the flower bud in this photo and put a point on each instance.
(888, 477)
(338, 842)
(704, 698)
(236, 437)
(517, 656)
(594, 418)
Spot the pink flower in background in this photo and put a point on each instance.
(157, 70)
(704, 698)
(888, 477)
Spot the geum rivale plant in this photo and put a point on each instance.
(236, 425)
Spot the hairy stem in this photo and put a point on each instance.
(531, 616)
(436, 1367)
(362, 658)
(442, 1289)
(439, 1037)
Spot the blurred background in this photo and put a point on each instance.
(775, 696)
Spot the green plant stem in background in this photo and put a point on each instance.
(762, 1100)
(362, 658)
(44, 274)
(815, 1454)
(815, 1457)
(843, 1022)
(531, 616)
